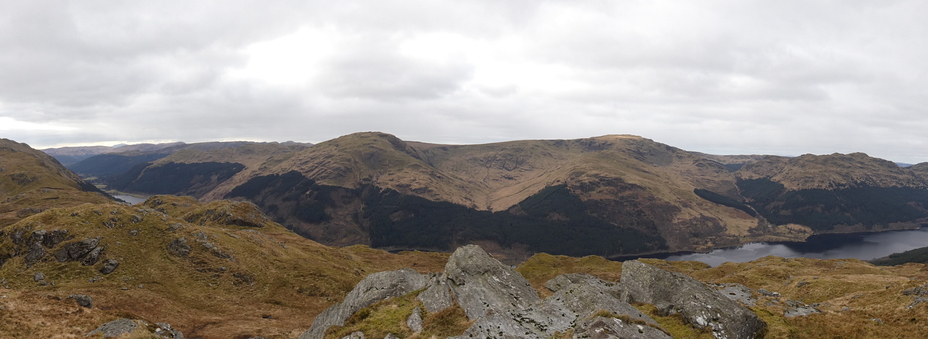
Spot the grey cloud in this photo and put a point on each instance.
(729, 76)
(372, 67)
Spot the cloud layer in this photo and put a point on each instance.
(785, 77)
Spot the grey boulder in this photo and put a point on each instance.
(373, 288)
(115, 328)
(676, 293)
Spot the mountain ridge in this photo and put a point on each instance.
(345, 190)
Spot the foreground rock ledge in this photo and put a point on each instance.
(502, 304)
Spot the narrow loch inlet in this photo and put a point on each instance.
(864, 246)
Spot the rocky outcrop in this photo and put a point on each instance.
(179, 247)
(118, 327)
(229, 214)
(437, 296)
(676, 293)
(77, 250)
(373, 288)
(115, 328)
(502, 304)
(615, 328)
(796, 308)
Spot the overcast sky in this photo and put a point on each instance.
(725, 77)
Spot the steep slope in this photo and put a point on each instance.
(32, 181)
(70, 155)
(376, 189)
(836, 193)
(572, 197)
(192, 169)
(219, 270)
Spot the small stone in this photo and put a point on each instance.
(38, 276)
(414, 322)
(82, 300)
(109, 265)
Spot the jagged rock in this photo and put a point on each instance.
(82, 300)
(502, 304)
(699, 305)
(795, 308)
(354, 335)
(92, 257)
(590, 294)
(38, 276)
(478, 281)
(179, 247)
(76, 250)
(437, 296)
(135, 219)
(38, 236)
(115, 328)
(34, 253)
(390, 336)
(109, 265)
(500, 300)
(54, 237)
(373, 288)
(414, 322)
(608, 328)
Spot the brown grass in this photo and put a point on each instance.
(262, 281)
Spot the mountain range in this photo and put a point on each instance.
(174, 266)
(613, 195)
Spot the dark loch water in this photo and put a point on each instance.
(830, 246)
(130, 199)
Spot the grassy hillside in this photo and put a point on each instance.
(202, 170)
(105, 165)
(32, 181)
(373, 188)
(234, 274)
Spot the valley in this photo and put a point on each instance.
(72, 258)
(572, 197)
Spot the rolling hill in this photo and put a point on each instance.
(573, 197)
(31, 182)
